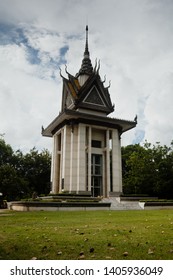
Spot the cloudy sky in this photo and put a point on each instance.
(133, 40)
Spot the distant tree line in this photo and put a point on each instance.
(147, 169)
(21, 175)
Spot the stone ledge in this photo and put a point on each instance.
(56, 206)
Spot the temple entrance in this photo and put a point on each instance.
(96, 175)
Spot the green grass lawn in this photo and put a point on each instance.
(87, 235)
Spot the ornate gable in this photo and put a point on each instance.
(86, 90)
(94, 96)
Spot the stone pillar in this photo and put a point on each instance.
(61, 160)
(55, 166)
(74, 161)
(63, 156)
(67, 160)
(89, 158)
(107, 188)
(71, 161)
(52, 166)
(81, 160)
(116, 163)
(65, 182)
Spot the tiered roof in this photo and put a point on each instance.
(86, 99)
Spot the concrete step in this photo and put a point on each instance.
(70, 198)
(135, 205)
(117, 204)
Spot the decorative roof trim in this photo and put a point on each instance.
(67, 115)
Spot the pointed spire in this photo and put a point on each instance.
(86, 43)
(86, 67)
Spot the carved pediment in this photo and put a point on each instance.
(93, 97)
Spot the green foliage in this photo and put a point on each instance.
(12, 185)
(148, 169)
(6, 152)
(36, 169)
(22, 174)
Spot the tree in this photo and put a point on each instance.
(6, 152)
(21, 175)
(36, 169)
(163, 157)
(12, 185)
(148, 169)
(138, 178)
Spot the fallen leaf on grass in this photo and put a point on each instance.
(34, 258)
(112, 248)
(150, 251)
(82, 257)
(59, 253)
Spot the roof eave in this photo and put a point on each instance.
(121, 125)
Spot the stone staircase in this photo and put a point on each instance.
(118, 204)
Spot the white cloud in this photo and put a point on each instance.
(133, 39)
(27, 102)
(159, 112)
(44, 41)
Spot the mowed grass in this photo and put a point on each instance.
(87, 235)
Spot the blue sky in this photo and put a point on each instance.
(133, 40)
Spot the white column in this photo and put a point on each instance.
(64, 151)
(81, 174)
(66, 159)
(107, 189)
(55, 167)
(52, 165)
(116, 163)
(71, 161)
(89, 157)
(61, 160)
(74, 161)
